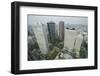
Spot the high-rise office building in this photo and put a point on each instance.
(85, 36)
(51, 31)
(61, 30)
(78, 42)
(69, 39)
(40, 36)
(56, 31)
(45, 30)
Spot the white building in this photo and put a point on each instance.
(40, 36)
(69, 39)
(73, 40)
(85, 36)
(45, 31)
(78, 42)
(67, 56)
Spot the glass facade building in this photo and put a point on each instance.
(51, 31)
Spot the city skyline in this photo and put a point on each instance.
(55, 40)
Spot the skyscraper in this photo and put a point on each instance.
(40, 36)
(69, 39)
(61, 30)
(51, 31)
(78, 42)
(45, 31)
(56, 31)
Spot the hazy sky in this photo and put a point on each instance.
(67, 19)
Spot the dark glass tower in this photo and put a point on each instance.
(51, 31)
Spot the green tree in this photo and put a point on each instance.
(52, 55)
(83, 52)
(60, 45)
(74, 53)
